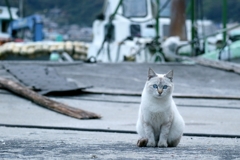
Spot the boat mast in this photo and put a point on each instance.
(177, 25)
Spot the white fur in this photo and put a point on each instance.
(159, 120)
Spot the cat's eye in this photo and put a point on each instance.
(165, 87)
(155, 86)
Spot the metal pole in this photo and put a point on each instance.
(178, 20)
(157, 21)
(9, 10)
(21, 8)
(108, 32)
(224, 19)
(115, 12)
(192, 24)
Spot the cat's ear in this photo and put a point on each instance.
(169, 75)
(151, 74)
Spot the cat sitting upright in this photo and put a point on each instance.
(159, 122)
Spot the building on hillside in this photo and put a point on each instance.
(5, 20)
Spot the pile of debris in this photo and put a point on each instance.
(76, 49)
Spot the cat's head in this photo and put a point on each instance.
(159, 85)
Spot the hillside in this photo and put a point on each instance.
(83, 12)
(212, 9)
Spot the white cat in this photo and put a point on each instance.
(159, 122)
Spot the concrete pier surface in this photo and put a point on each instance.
(207, 98)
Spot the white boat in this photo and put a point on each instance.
(127, 32)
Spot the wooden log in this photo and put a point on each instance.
(46, 102)
(178, 19)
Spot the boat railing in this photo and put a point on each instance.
(204, 38)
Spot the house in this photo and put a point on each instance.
(5, 19)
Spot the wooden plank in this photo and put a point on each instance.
(46, 102)
(232, 67)
(223, 65)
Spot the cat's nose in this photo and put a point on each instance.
(160, 91)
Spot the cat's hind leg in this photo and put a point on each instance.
(175, 142)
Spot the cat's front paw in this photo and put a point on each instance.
(162, 144)
(151, 144)
(142, 142)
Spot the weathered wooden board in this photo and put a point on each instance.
(62, 108)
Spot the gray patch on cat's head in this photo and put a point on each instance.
(151, 73)
(169, 75)
(159, 80)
